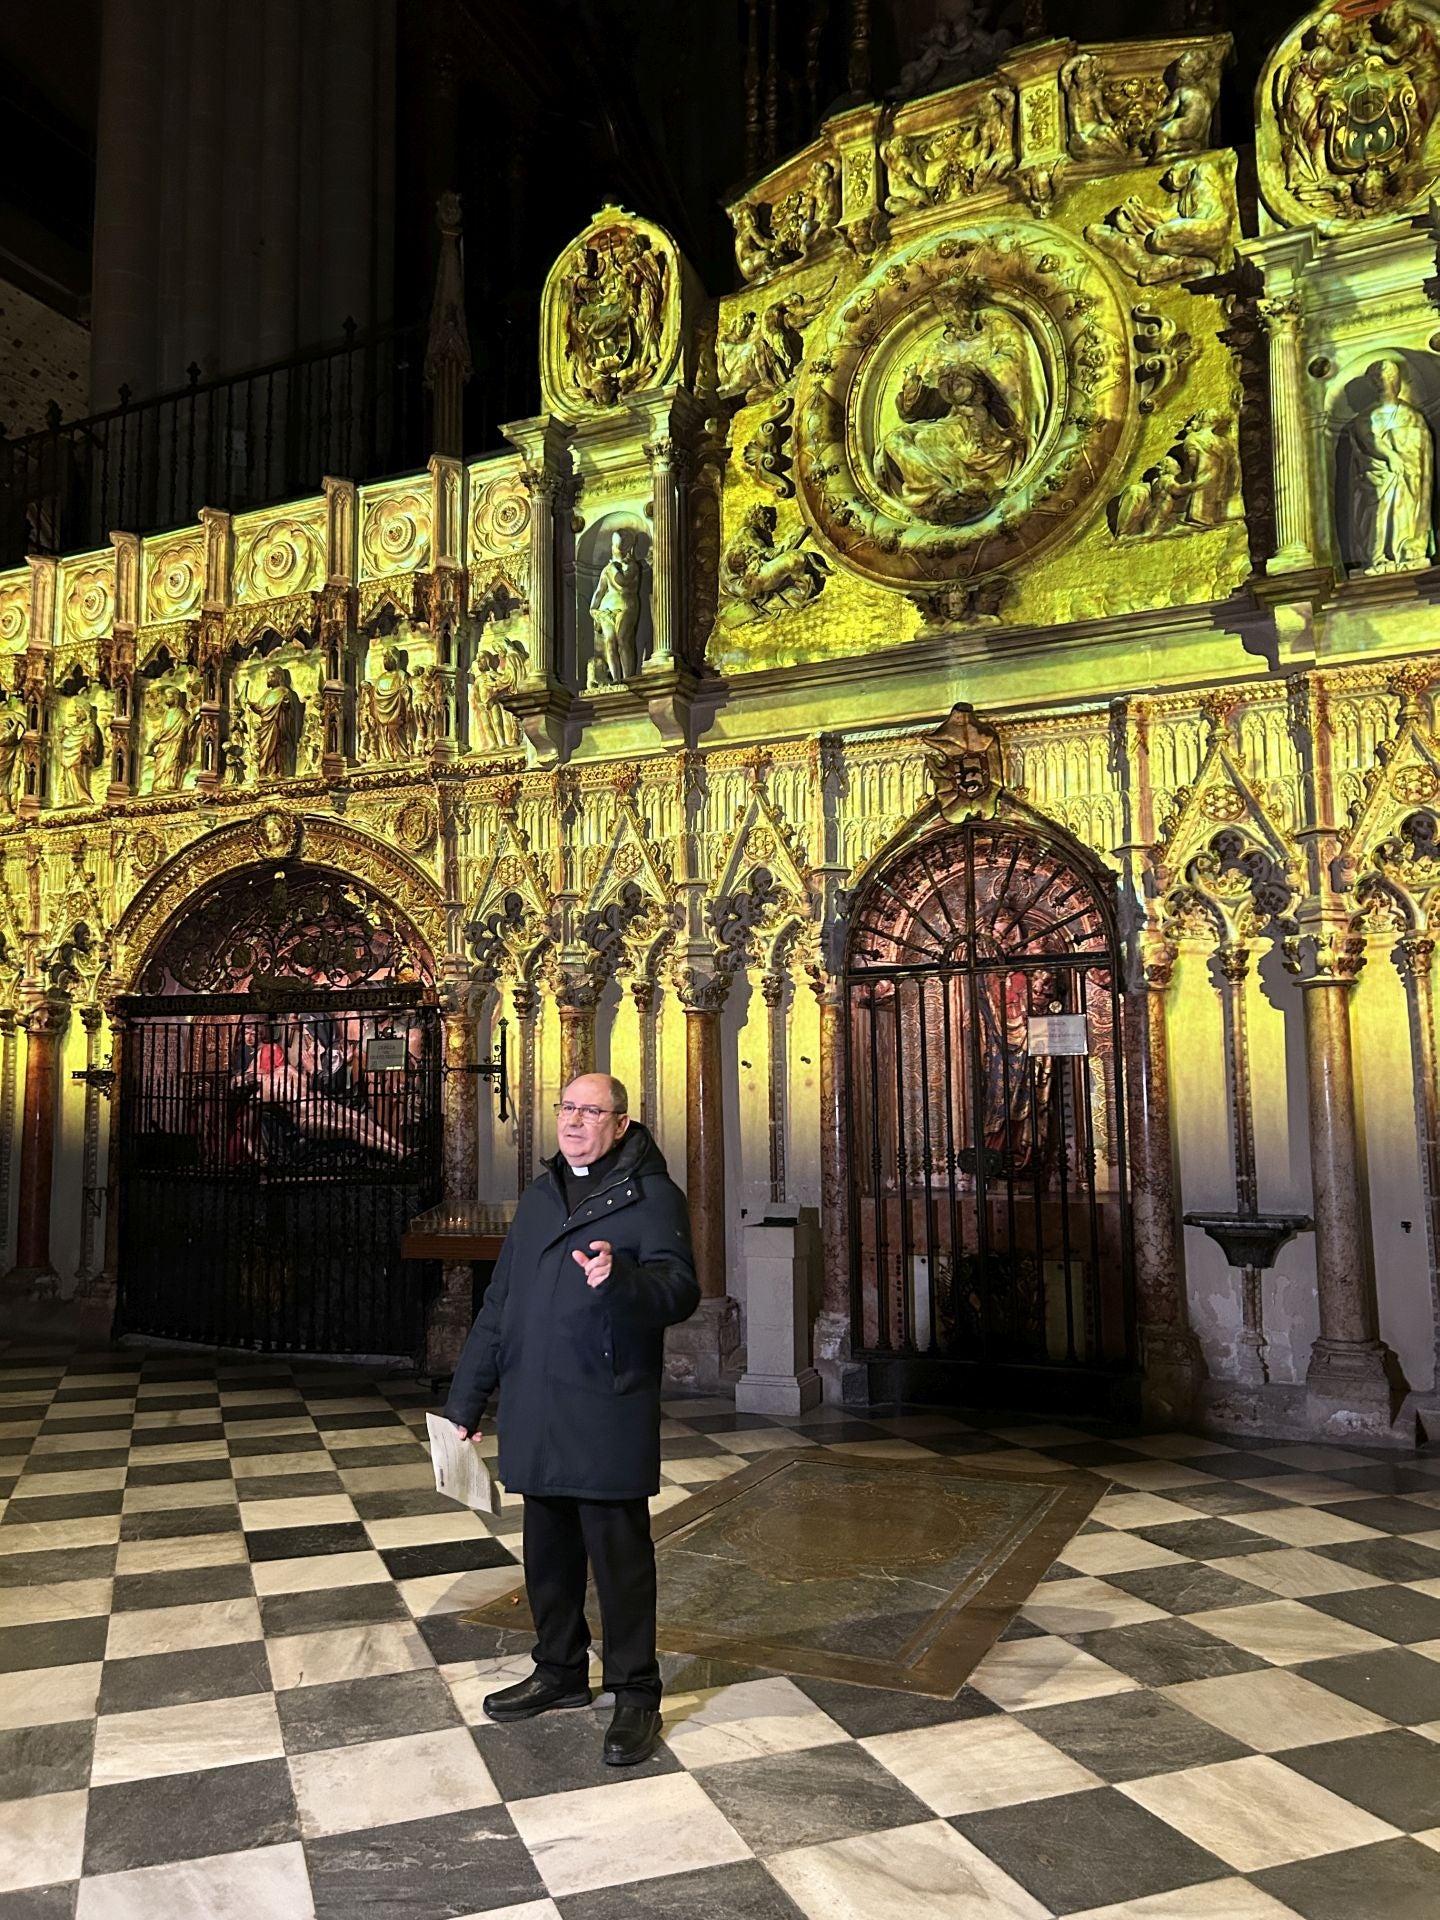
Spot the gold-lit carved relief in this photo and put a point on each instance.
(1119, 108)
(171, 727)
(763, 575)
(496, 673)
(610, 315)
(615, 609)
(173, 578)
(278, 556)
(1195, 484)
(1185, 239)
(86, 599)
(79, 751)
(12, 733)
(14, 610)
(499, 514)
(395, 534)
(801, 217)
(1346, 113)
(959, 158)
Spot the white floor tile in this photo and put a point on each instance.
(745, 1722)
(266, 1883)
(41, 1839)
(318, 1573)
(213, 1623)
(1285, 1632)
(1256, 1813)
(970, 1765)
(632, 1830)
(1274, 1710)
(1213, 1900)
(183, 1739)
(1044, 1672)
(346, 1653)
(458, 1592)
(1086, 1605)
(60, 1600)
(928, 1872)
(43, 1696)
(418, 1776)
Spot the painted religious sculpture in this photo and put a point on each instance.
(496, 674)
(924, 169)
(614, 312)
(80, 750)
(1183, 242)
(1392, 476)
(431, 717)
(1354, 101)
(765, 577)
(277, 726)
(12, 732)
(615, 614)
(172, 744)
(387, 711)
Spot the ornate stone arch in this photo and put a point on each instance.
(272, 838)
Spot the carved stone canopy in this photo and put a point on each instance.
(964, 404)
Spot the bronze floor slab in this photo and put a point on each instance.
(892, 1573)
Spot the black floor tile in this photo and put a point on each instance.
(1395, 1776)
(30, 1509)
(85, 1462)
(955, 1446)
(693, 1446)
(1164, 1653)
(251, 1446)
(180, 1523)
(805, 1799)
(54, 1759)
(744, 1891)
(295, 1543)
(1395, 1613)
(49, 1568)
(1192, 1587)
(178, 1679)
(1204, 1539)
(445, 1556)
(185, 1816)
(1397, 1684)
(1387, 1513)
(289, 1486)
(558, 1752)
(748, 1423)
(176, 1436)
(868, 1711)
(1226, 1497)
(173, 1473)
(238, 1418)
(403, 1454)
(423, 1869)
(59, 1423)
(1127, 1736)
(55, 1643)
(1387, 1559)
(151, 1402)
(401, 1503)
(1394, 1880)
(348, 1713)
(355, 1422)
(326, 1610)
(1234, 1466)
(41, 1903)
(1095, 1453)
(1377, 1477)
(450, 1637)
(182, 1587)
(1092, 1849)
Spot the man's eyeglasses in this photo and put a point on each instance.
(567, 1110)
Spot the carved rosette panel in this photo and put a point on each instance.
(610, 315)
(1346, 115)
(394, 530)
(277, 556)
(174, 578)
(499, 514)
(87, 598)
(964, 404)
(14, 610)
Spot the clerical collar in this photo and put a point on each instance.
(580, 1173)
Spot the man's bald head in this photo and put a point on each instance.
(592, 1117)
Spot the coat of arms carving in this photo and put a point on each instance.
(610, 316)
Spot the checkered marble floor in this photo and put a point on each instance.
(235, 1683)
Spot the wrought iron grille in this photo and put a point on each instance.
(987, 1170)
(270, 1162)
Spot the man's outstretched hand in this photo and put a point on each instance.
(465, 1433)
(597, 1264)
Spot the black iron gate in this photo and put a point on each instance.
(989, 1226)
(270, 1161)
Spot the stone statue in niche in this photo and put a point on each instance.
(925, 169)
(960, 45)
(614, 312)
(429, 705)
(971, 410)
(172, 744)
(1183, 242)
(495, 675)
(764, 577)
(12, 732)
(1352, 110)
(278, 715)
(81, 749)
(387, 711)
(615, 614)
(1392, 476)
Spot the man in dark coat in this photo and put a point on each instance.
(596, 1265)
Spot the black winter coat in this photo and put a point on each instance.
(579, 1366)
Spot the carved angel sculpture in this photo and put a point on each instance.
(765, 577)
(1155, 244)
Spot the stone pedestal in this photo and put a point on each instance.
(701, 1355)
(780, 1254)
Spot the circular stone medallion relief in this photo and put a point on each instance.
(963, 405)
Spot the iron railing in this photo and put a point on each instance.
(353, 407)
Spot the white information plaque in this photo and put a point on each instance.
(387, 1053)
(1058, 1033)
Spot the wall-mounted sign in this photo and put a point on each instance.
(1058, 1033)
(386, 1053)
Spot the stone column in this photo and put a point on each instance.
(33, 1277)
(1233, 964)
(547, 490)
(525, 1004)
(643, 992)
(845, 1380)
(575, 999)
(701, 1353)
(1294, 502)
(667, 581)
(90, 1018)
(119, 1040)
(7, 1121)
(1414, 956)
(1349, 1379)
(772, 988)
(449, 1319)
(1169, 1352)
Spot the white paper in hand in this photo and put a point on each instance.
(460, 1472)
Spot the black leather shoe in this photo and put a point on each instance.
(633, 1736)
(535, 1695)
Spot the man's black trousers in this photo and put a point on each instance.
(614, 1535)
